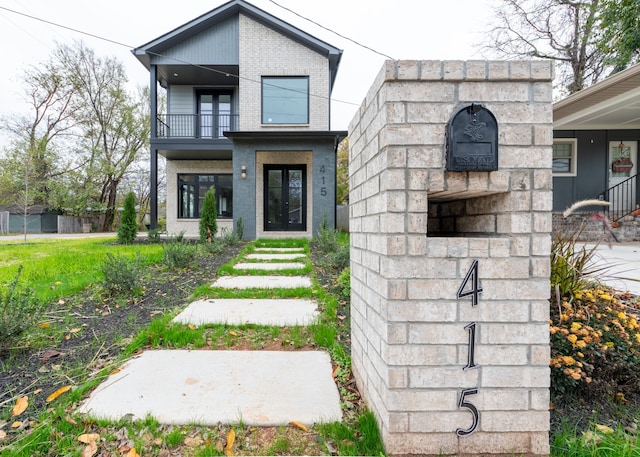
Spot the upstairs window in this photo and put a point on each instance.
(193, 187)
(564, 156)
(285, 100)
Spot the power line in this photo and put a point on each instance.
(128, 46)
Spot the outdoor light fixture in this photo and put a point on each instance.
(243, 172)
(621, 145)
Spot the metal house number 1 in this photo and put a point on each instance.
(472, 285)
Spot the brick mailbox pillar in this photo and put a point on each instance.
(450, 269)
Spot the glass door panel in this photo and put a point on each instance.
(285, 198)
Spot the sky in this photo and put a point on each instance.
(401, 29)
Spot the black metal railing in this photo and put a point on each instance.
(195, 125)
(622, 198)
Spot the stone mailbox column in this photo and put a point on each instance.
(450, 269)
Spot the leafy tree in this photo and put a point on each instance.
(565, 31)
(128, 226)
(620, 38)
(342, 178)
(208, 217)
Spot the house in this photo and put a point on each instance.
(595, 154)
(38, 218)
(247, 111)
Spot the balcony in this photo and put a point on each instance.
(206, 126)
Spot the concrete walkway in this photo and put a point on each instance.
(209, 387)
(621, 266)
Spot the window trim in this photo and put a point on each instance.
(262, 114)
(179, 212)
(574, 157)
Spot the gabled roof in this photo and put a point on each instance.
(613, 103)
(227, 10)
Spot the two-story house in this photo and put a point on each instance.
(247, 111)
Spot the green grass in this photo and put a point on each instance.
(60, 268)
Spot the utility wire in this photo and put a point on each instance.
(128, 46)
(333, 31)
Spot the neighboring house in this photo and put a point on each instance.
(39, 219)
(248, 103)
(595, 151)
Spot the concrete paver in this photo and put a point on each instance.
(281, 312)
(262, 282)
(210, 387)
(269, 266)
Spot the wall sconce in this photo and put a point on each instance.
(243, 172)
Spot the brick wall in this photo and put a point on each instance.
(416, 230)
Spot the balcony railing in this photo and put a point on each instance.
(195, 125)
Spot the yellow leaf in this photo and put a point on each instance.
(229, 452)
(116, 371)
(604, 429)
(45, 325)
(37, 391)
(57, 393)
(87, 438)
(16, 424)
(231, 437)
(299, 425)
(20, 406)
(67, 337)
(3, 435)
(132, 453)
(233, 333)
(90, 449)
(75, 330)
(192, 327)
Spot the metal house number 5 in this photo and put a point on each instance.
(472, 284)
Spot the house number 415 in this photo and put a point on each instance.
(470, 287)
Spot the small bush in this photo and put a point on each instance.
(19, 311)
(128, 229)
(344, 284)
(327, 240)
(240, 228)
(178, 255)
(122, 275)
(339, 259)
(208, 218)
(154, 235)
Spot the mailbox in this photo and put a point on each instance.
(472, 140)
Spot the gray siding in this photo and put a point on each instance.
(180, 100)
(217, 45)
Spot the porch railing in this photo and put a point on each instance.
(195, 125)
(622, 198)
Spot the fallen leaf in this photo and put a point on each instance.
(133, 453)
(75, 330)
(299, 425)
(45, 325)
(37, 391)
(70, 420)
(334, 373)
(604, 429)
(233, 333)
(192, 327)
(3, 435)
(57, 393)
(20, 406)
(61, 302)
(116, 371)
(67, 337)
(87, 438)
(90, 449)
(16, 424)
(193, 441)
(231, 437)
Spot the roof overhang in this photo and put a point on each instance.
(611, 104)
(315, 135)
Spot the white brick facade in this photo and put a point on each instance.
(416, 229)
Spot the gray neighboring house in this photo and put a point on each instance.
(595, 154)
(39, 219)
(248, 111)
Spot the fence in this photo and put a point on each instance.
(75, 224)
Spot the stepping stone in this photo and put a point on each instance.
(280, 312)
(262, 282)
(275, 256)
(260, 388)
(268, 266)
(279, 249)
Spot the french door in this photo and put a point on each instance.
(214, 114)
(285, 198)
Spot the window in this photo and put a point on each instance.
(564, 156)
(285, 100)
(192, 189)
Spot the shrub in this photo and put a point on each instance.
(178, 255)
(344, 284)
(122, 274)
(19, 311)
(327, 240)
(240, 228)
(128, 229)
(208, 217)
(154, 235)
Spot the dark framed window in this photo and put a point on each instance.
(192, 189)
(564, 156)
(285, 100)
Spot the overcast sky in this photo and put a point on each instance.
(402, 29)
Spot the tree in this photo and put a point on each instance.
(565, 31)
(128, 229)
(620, 38)
(208, 217)
(342, 173)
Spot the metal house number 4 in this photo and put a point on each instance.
(470, 287)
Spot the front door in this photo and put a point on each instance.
(623, 164)
(285, 198)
